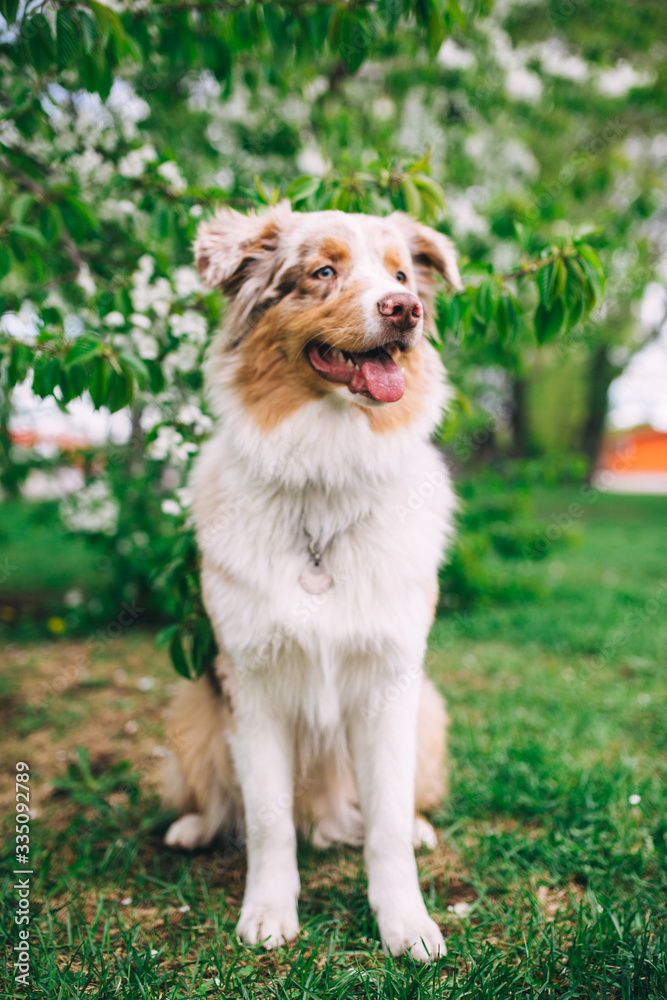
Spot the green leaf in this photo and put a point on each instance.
(548, 321)
(302, 188)
(136, 365)
(486, 299)
(9, 10)
(427, 186)
(30, 233)
(37, 32)
(67, 36)
(99, 382)
(20, 360)
(413, 202)
(586, 251)
(557, 280)
(543, 279)
(107, 21)
(178, 658)
(83, 350)
(21, 205)
(165, 635)
(46, 375)
(5, 261)
(89, 32)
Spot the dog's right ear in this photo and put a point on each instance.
(232, 248)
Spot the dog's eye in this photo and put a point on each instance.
(401, 276)
(325, 272)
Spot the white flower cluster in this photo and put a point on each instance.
(189, 324)
(92, 509)
(173, 176)
(171, 445)
(134, 163)
(146, 295)
(23, 325)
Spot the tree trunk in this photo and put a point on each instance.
(601, 372)
(519, 417)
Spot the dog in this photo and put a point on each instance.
(319, 569)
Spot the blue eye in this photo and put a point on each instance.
(401, 276)
(325, 272)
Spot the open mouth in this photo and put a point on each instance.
(373, 374)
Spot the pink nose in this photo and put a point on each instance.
(402, 309)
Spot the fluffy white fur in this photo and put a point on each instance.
(311, 684)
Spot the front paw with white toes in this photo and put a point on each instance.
(414, 934)
(267, 924)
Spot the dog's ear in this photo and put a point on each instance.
(232, 248)
(431, 252)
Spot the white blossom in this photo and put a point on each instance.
(169, 444)
(186, 280)
(134, 163)
(183, 359)
(140, 320)
(171, 507)
(621, 78)
(452, 56)
(114, 318)
(522, 84)
(115, 210)
(191, 324)
(85, 281)
(146, 345)
(191, 415)
(23, 325)
(92, 509)
(173, 176)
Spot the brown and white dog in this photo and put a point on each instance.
(319, 571)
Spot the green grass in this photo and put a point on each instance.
(558, 716)
(39, 557)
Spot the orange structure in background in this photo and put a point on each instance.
(634, 461)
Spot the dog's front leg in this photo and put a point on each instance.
(263, 748)
(383, 745)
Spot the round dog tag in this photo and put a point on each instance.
(314, 578)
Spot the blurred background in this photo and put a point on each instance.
(516, 128)
(534, 133)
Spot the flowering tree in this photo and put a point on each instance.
(123, 123)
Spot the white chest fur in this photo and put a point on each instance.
(379, 508)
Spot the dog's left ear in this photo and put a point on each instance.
(233, 249)
(431, 252)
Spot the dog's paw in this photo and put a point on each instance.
(187, 832)
(424, 836)
(416, 935)
(269, 925)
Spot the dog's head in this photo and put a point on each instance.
(323, 302)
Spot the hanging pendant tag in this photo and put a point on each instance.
(314, 578)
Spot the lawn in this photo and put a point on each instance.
(550, 878)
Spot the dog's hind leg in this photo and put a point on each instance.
(199, 775)
(431, 773)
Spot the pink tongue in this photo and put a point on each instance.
(384, 379)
